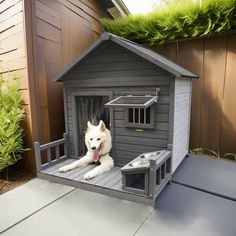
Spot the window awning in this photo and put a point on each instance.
(132, 101)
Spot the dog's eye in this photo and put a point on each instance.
(98, 139)
(91, 139)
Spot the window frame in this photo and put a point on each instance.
(151, 100)
(140, 125)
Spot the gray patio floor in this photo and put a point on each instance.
(44, 208)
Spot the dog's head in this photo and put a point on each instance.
(98, 138)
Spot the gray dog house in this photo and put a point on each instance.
(145, 101)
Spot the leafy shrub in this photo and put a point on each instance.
(182, 20)
(11, 115)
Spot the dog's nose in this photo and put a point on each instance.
(93, 148)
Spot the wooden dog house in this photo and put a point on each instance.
(145, 101)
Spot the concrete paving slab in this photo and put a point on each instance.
(21, 202)
(84, 213)
(182, 211)
(208, 174)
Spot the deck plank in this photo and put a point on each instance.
(53, 169)
(68, 173)
(118, 186)
(80, 174)
(112, 182)
(104, 175)
(108, 178)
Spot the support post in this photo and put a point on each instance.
(152, 178)
(38, 155)
(65, 136)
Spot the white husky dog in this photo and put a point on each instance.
(98, 142)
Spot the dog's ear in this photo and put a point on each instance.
(89, 125)
(102, 126)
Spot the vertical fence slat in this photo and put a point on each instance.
(57, 151)
(49, 155)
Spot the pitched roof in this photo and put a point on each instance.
(138, 49)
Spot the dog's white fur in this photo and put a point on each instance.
(96, 138)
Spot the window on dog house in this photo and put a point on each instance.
(139, 110)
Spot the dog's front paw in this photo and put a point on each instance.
(64, 169)
(89, 175)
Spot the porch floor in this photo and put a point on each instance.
(109, 183)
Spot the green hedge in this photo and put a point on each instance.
(11, 115)
(178, 21)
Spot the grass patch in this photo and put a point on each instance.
(176, 21)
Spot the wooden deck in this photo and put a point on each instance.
(109, 183)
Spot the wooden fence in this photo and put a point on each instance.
(213, 119)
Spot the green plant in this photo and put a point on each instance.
(233, 155)
(214, 153)
(197, 151)
(202, 151)
(11, 116)
(183, 20)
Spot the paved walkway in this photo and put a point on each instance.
(44, 208)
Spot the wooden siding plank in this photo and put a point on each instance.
(16, 19)
(14, 65)
(48, 31)
(12, 43)
(7, 4)
(84, 19)
(136, 148)
(109, 82)
(119, 74)
(114, 66)
(140, 140)
(159, 134)
(48, 18)
(11, 31)
(17, 74)
(91, 5)
(45, 8)
(104, 58)
(81, 81)
(15, 53)
(83, 6)
(73, 28)
(13, 10)
(55, 5)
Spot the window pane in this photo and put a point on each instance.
(142, 116)
(148, 114)
(136, 115)
(130, 110)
